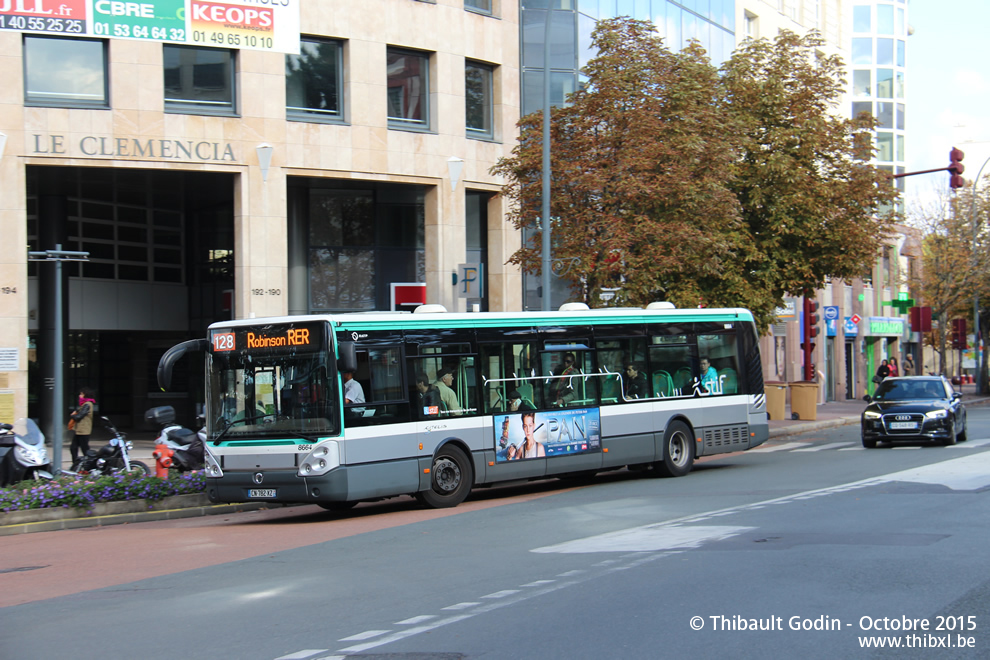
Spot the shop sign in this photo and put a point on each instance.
(885, 326)
(269, 25)
(106, 146)
(850, 329)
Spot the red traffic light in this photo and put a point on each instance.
(959, 334)
(956, 168)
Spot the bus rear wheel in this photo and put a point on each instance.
(678, 451)
(450, 479)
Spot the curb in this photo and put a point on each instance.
(812, 426)
(120, 513)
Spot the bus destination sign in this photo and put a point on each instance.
(268, 339)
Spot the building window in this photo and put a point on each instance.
(408, 89)
(65, 72)
(199, 80)
(313, 80)
(484, 6)
(478, 99)
(752, 25)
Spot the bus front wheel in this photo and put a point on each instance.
(678, 451)
(450, 479)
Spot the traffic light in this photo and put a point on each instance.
(959, 334)
(956, 168)
(811, 320)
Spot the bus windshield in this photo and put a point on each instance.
(259, 385)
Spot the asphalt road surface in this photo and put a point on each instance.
(808, 547)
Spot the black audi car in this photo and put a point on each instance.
(914, 408)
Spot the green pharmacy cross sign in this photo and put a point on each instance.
(902, 304)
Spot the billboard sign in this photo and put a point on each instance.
(526, 434)
(244, 24)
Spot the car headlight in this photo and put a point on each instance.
(871, 414)
(937, 414)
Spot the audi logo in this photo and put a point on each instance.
(903, 418)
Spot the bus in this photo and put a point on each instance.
(448, 402)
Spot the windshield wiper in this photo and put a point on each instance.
(231, 423)
(244, 420)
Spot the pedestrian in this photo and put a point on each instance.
(894, 372)
(83, 417)
(908, 365)
(882, 372)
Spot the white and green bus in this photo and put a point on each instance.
(453, 401)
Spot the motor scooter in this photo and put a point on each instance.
(113, 457)
(22, 453)
(176, 447)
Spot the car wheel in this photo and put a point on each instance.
(962, 434)
(869, 444)
(951, 440)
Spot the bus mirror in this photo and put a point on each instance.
(172, 356)
(348, 356)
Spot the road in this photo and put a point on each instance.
(850, 546)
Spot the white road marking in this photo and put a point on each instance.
(415, 620)
(460, 606)
(299, 655)
(651, 538)
(539, 583)
(831, 445)
(502, 594)
(367, 634)
(782, 447)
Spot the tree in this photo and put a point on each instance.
(677, 182)
(953, 274)
(638, 168)
(813, 208)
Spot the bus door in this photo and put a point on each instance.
(446, 402)
(511, 395)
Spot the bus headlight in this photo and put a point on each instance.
(325, 457)
(213, 468)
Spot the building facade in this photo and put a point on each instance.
(254, 159)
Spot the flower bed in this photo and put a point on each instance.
(74, 492)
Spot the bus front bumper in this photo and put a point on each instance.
(281, 486)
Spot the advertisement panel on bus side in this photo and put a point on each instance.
(530, 434)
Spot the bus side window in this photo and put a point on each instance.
(379, 373)
(506, 371)
(614, 357)
(718, 344)
(452, 390)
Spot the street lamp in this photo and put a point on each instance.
(977, 352)
(57, 256)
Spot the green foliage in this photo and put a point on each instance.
(73, 492)
(674, 181)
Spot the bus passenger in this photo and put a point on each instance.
(530, 448)
(429, 396)
(636, 387)
(709, 377)
(444, 385)
(561, 391)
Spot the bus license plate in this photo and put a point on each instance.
(262, 492)
(903, 425)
